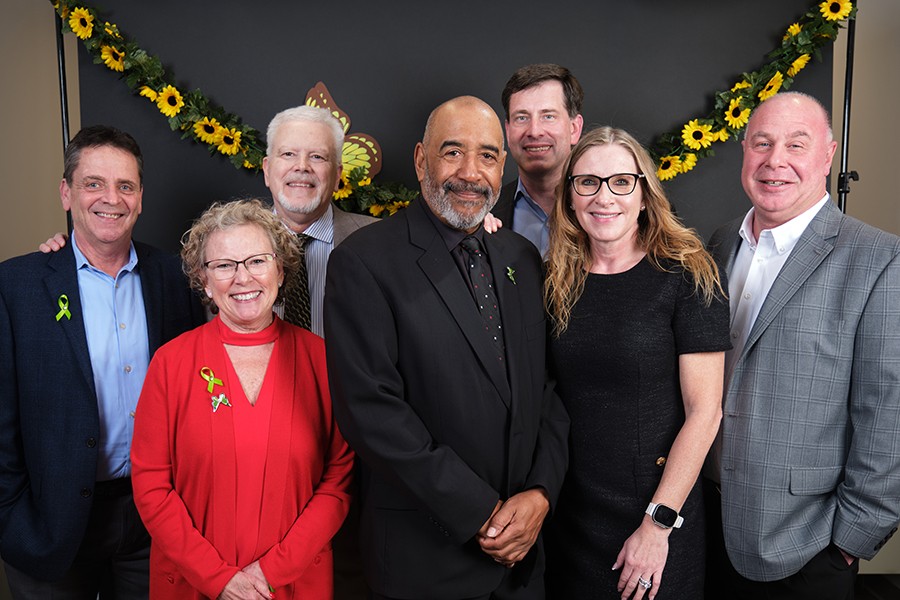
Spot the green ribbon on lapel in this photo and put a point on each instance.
(207, 374)
(63, 303)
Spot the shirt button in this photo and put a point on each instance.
(128, 368)
(85, 493)
(121, 325)
(734, 335)
(746, 296)
(90, 442)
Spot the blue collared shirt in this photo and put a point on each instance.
(529, 220)
(115, 324)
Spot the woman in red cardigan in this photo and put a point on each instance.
(239, 471)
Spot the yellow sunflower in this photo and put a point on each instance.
(376, 209)
(735, 116)
(740, 85)
(111, 29)
(394, 207)
(697, 135)
(207, 130)
(669, 167)
(772, 87)
(342, 192)
(65, 10)
(835, 10)
(113, 58)
(792, 31)
(248, 164)
(82, 23)
(169, 101)
(721, 135)
(149, 92)
(364, 182)
(688, 161)
(798, 65)
(229, 141)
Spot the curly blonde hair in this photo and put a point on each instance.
(225, 215)
(660, 234)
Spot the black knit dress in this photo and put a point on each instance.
(617, 373)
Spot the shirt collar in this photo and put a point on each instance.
(82, 262)
(452, 237)
(784, 236)
(322, 229)
(521, 192)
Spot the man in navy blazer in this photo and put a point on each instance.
(462, 442)
(809, 458)
(77, 329)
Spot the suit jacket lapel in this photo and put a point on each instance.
(813, 246)
(151, 278)
(441, 270)
(63, 280)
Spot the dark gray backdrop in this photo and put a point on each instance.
(646, 65)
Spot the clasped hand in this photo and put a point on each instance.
(512, 529)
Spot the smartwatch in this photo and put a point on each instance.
(663, 516)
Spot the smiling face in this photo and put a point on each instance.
(302, 171)
(610, 221)
(460, 162)
(540, 131)
(244, 301)
(787, 156)
(104, 198)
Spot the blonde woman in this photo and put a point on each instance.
(640, 326)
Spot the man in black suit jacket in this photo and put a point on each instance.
(68, 526)
(543, 122)
(462, 441)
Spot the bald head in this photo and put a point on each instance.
(788, 148)
(459, 161)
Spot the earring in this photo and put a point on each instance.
(643, 207)
(208, 293)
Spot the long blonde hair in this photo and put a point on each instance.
(660, 234)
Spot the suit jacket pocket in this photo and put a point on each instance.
(809, 481)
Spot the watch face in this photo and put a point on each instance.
(664, 515)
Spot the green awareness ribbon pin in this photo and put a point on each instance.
(207, 374)
(63, 303)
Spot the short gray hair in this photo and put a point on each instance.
(309, 114)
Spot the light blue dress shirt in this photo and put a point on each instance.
(530, 221)
(115, 323)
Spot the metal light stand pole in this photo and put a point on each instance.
(63, 94)
(844, 177)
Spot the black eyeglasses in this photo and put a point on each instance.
(223, 268)
(620, 184)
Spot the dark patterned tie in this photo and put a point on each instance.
(296, 300)
(479, 271)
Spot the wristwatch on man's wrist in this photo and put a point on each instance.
(663, 516)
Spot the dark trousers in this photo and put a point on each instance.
(508, 590)
(826, 576)
(113, 560)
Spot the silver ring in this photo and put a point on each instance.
(644, 583)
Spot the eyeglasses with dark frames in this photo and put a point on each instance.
(224, 268)
(620, 184)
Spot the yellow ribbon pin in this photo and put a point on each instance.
(207, 374)
(63, 303)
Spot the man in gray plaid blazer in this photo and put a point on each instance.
(808, 459)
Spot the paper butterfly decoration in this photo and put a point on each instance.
(360, 149)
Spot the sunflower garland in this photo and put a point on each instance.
(802, 40)
(675, 153)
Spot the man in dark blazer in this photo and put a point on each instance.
(809, 458)
(543, 121)
(463, 443)
(71, 369)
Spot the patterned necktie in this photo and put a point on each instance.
(296, 300)
(479, 271)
